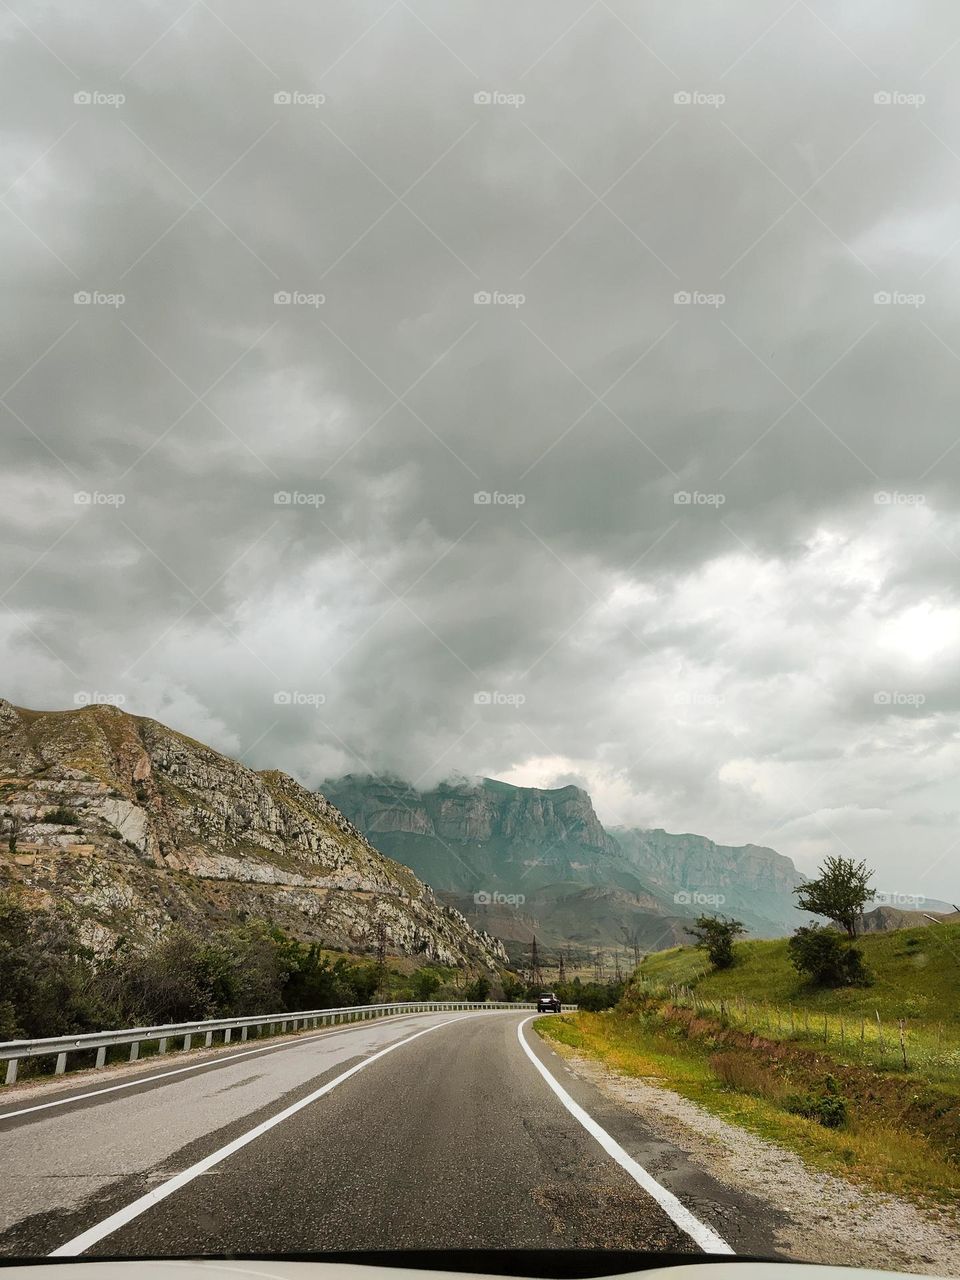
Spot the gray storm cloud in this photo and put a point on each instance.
(597, 358)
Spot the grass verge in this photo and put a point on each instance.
(897, 1133)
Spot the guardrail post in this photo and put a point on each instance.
(243, 1033)
(61, 1066)
(208, 1039)
(135, 1051)
(226, 1035)
(11, 1076)
(186, 1042)
(162, 1046)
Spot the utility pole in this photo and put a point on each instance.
(561, 971)
(617, 971)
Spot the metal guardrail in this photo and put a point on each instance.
(11, 1051)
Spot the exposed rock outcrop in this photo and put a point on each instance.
(167, 829)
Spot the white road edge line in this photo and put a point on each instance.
(212, 1061)
(698, 1231)
(79, 1244)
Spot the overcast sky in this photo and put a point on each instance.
(716, 581)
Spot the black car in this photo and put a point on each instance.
(547, 1002)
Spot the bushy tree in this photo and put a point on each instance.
(477, 990)
(186, 976)
(513, 987)
(826, 958)
(47, 977)
(839, 892)
(595, 996)
(425, 983)
(716, 935)
(316, 981)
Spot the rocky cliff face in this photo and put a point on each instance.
(486, 835)
(579, 884)
(517, 861)
(154, 827)
(751, 882)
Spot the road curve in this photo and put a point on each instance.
(427, 1131)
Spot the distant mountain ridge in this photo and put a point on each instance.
(580, 884)
(752, 882)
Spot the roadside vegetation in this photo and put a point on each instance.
(51, 984)
(844, 1049)
(591, 996)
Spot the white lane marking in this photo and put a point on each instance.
(198, 1066)
(79, 1244)
(699, 1232)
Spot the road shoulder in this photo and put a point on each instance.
(819, 1217)
(745, 1221)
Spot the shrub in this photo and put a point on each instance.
(47, 978)
(62, 816)
(828, 1107)
(823, 956)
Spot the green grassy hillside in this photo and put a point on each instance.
(864, 1082)
(916, 976)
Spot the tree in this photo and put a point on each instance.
(596, 996)
(477, 990)
(47, 977)
(513, 988)
(425, 983)
(716, 934)
(839, 892)
(826, 958)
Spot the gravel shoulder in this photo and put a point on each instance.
(827, 1220)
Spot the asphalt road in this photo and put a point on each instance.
(444, 1134)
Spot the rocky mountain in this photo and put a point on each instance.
(519, 861)
(136, 825)
(750, 881)
(487, 836)
(883, 919)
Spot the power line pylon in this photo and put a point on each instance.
(536, 976)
